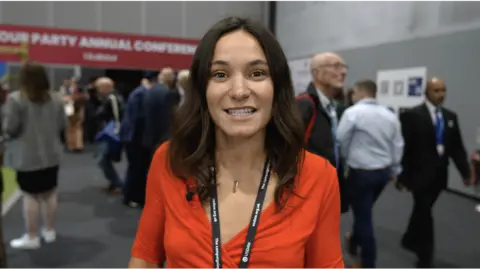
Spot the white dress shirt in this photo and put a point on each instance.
(326, 103)
(432, 109)
(370, 137)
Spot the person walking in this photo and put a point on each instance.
(32, 121)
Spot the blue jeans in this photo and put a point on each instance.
(365, 188)
(106, 165)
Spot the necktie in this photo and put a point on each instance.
(439, 128)
(334, 121)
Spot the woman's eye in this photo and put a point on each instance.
(258, 73)
(219, 75)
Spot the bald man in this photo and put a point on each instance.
(167, 77)
(432, 137)
(104, 85)
(319, 108)
(110, 110)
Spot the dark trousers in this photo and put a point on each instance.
(419, 236)
(136, 177)
(91, 124)
(3, 255)
(105, 162)
(365, 188)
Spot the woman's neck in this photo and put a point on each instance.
(240, 153)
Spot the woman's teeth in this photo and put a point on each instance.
(241, 112)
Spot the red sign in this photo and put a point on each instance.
(97, 49)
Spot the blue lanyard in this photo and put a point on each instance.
(439, 127)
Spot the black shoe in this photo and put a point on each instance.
(408, 245)
(424, 263)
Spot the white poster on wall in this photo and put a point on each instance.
(400, 89)
(300, 72)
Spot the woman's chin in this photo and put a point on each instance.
(243, 132)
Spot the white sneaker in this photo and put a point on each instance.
(49, 236)
(26, 242)
(477, 208)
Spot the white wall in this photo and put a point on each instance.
(304, 28)
(173, 18)
(374, 36)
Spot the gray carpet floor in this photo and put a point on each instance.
(96, 231)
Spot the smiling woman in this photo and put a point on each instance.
(234, 177)
(240, 92)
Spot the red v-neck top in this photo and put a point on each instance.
(305, 234)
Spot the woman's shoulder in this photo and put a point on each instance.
(55, 96)
(14, 95)
(316, 173)
(160, 165)
(161, 176)
(161, 153)
(316, 165)
(15, 98)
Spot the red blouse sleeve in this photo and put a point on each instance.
(148, 244)
(324, 249)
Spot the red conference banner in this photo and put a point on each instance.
(97, 49)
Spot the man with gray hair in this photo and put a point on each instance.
(321, 113)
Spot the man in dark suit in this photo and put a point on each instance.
(432, 136)
(328, 72)
(159, 105)
(131, 133)
(91, 125)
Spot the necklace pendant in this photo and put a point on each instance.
(235, 186)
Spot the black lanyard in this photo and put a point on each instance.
(252, 228)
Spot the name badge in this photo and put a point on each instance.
(440, 149)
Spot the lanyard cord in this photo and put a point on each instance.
(252, 228)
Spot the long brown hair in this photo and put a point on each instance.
(34, 82)
(192, 145)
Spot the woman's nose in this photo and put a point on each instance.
(239, 88)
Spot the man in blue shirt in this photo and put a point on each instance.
(371, 142)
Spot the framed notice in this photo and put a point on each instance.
(400, 89)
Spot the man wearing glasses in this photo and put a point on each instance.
(318, 107)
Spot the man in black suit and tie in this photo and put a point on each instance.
(432, 136)
(160, 104)
(328, 72)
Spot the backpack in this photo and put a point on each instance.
(311, 122)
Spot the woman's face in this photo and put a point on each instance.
(240, 89)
